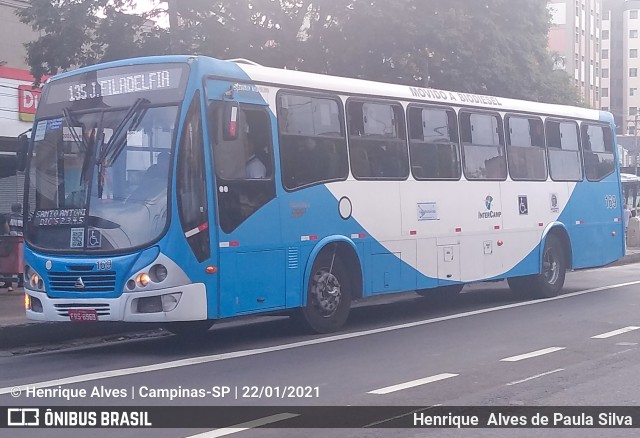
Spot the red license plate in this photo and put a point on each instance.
(83, 315)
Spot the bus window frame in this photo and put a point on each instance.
(507, 141)
(585, 124)
(343, 125)
(504, 142)
(576, 122)
(403, 125)
(457, 144)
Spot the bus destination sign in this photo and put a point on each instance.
(124, 84)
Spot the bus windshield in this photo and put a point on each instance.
(99, 168)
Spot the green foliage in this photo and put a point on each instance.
(75, 33)
(496, 47)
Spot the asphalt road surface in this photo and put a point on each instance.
(487, 348)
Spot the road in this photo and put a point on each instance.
(488, 348)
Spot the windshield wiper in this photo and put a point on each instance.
(117, 143)
(71, 121)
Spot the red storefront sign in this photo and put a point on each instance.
(28, 98)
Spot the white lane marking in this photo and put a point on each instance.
(532, 354)
(244, 426)
(324, 340)
(535, 377)
(615, 332)
(412, 383)
(386, 420)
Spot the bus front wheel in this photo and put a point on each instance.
(548, 283)
(328, 295)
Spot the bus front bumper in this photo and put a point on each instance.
(182, 303)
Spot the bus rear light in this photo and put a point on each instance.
(210, 269)
(500, 242)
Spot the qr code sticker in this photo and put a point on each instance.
(77, 238)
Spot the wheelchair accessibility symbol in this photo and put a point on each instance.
(95, 239)
(523, 205)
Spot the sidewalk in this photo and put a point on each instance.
(17, 331)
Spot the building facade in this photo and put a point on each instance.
(18, 99)
(575, 35)
(621, 71)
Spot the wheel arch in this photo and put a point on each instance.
(559, 230)
(348, 253)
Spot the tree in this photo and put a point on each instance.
(496, 47)
(82, 32)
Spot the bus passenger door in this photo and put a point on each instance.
(252, 266)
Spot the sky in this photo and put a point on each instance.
(147, 5)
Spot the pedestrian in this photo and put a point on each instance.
(5, 231)
(16, 226)
(15, 220)
(626, 216)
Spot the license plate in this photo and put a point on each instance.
(83, 315)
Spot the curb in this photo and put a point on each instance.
(43, 333)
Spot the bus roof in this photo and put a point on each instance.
(342, 85)
(350, 86)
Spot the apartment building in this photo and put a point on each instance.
(575, 36)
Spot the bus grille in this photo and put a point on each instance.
(102, 309)
(103, 281)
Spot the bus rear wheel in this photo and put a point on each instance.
(189, 328)
(328, 295)
(549, 282)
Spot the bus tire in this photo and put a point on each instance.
(448, 292)
(548, 283)
(328, 295)
(189, 328)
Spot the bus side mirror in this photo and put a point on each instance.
(21, 154)
(230, 121)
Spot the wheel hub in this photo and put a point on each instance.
(326, 292)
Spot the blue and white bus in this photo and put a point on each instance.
(187, 189)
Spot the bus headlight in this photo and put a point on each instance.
(33, 279)
(143, 279)
(158, 273)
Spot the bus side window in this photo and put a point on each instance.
(482, 146)
(564, 150)
(312, 139)
(377, 140)
(433, 143)
(525, 148)
(597, 147)
(229, 156)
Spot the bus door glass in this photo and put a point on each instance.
(251, 262)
